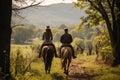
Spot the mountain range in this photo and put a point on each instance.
(53, 15)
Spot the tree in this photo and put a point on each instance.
(79, 45)
(5, 36)
(108, 12)
(89, 47)
(20, 5)
(22, 34)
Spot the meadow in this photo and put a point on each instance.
(25, 65)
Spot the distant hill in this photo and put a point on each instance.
(53, 15)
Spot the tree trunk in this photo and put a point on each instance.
(116, 46)
(5, 36)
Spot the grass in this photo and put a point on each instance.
(97, 70)
(56, 71)
(36, 71)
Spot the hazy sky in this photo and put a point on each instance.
(48, 2)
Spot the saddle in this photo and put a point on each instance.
(66, 45)
(46, 44)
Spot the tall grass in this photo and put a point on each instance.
(26, 66)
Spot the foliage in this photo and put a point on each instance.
(26, 66)
(89, 47)
(105, 49)
(36, 69)
(106, 12)
(93, 10)
(22, 34)
(79, 42)
(79, 45)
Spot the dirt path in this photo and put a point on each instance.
(78, 72)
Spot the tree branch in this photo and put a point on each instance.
(105, 16)
(31, 5)
(93, 5)
(109, 4)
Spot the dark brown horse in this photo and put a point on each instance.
(47, 54)
(66, 56)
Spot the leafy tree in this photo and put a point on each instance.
(22, 33)
(79, 45)
(62, 26)
(77, 33)
(108, 12)
(89, 47)
(57, 37)
(102, 44)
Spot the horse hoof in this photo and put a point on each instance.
(66, 72)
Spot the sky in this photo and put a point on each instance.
(45, 2)
(49, 2)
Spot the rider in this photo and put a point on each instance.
(66, 39)
(48, 37)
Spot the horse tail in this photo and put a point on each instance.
(65, 55)
(49, 56)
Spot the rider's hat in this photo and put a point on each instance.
(65, 29)
(47, 27)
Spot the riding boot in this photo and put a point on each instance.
(73, 54)
(55, 51)
(60, 52)
(40, 51)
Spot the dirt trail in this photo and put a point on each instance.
(77, 72)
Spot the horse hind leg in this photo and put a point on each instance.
(49, 67)
(46, 68)
(68, 64)
(65, 66)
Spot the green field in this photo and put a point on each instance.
(26, 66)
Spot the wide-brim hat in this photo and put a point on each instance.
(65, 29)
(47, 27)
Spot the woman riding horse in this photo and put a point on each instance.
(47, 49)
(48, 37)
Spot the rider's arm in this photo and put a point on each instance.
(71, 39)
(61, 39)
(51, 35)
(43, 37)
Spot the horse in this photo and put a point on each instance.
(66, 57)
(47, 54)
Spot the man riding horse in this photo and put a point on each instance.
(48, 37)
(66, 39)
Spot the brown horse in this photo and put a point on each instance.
(47, 54)
(66, 56)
